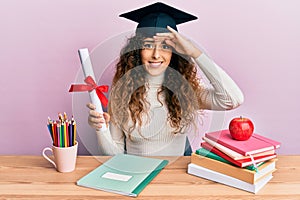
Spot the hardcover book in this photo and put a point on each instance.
(233, 171)
(206, 153)
(240, 163)
(255, 144)
(123, 174)
(199, 171)
(235, 155)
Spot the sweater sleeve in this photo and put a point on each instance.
(111, 141)
(224, 93)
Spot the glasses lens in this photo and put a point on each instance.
(160, 46)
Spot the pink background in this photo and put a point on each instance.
(257, 42)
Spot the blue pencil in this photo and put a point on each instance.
(74, 132)
(50, 131)
(70, 134)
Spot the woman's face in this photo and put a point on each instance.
(156, 56)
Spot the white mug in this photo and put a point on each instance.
(64, 157)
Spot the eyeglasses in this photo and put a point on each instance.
(150, 45)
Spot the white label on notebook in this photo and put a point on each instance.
(117, 177)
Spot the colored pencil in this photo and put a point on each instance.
(50, 130)
(74, 132)
(59, 141)
(54, 128)
(71, 134)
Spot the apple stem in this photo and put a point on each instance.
(241, 117)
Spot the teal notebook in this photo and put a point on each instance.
(123, 174)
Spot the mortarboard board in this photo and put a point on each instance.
(156, 17)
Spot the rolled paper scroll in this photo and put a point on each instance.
(88, 71)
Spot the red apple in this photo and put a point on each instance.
(241, 128)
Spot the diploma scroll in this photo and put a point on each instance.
(88, 71)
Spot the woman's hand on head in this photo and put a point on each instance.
(95, 119)
(179, 43)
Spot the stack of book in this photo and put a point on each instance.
(247, 165)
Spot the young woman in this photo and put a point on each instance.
(156, 94)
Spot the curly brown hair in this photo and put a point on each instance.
(127, 98)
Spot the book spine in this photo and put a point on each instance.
(150, 177)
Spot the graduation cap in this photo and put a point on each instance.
(156, 17)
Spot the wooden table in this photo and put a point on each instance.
(32, 177)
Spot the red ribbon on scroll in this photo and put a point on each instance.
(91, 85)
